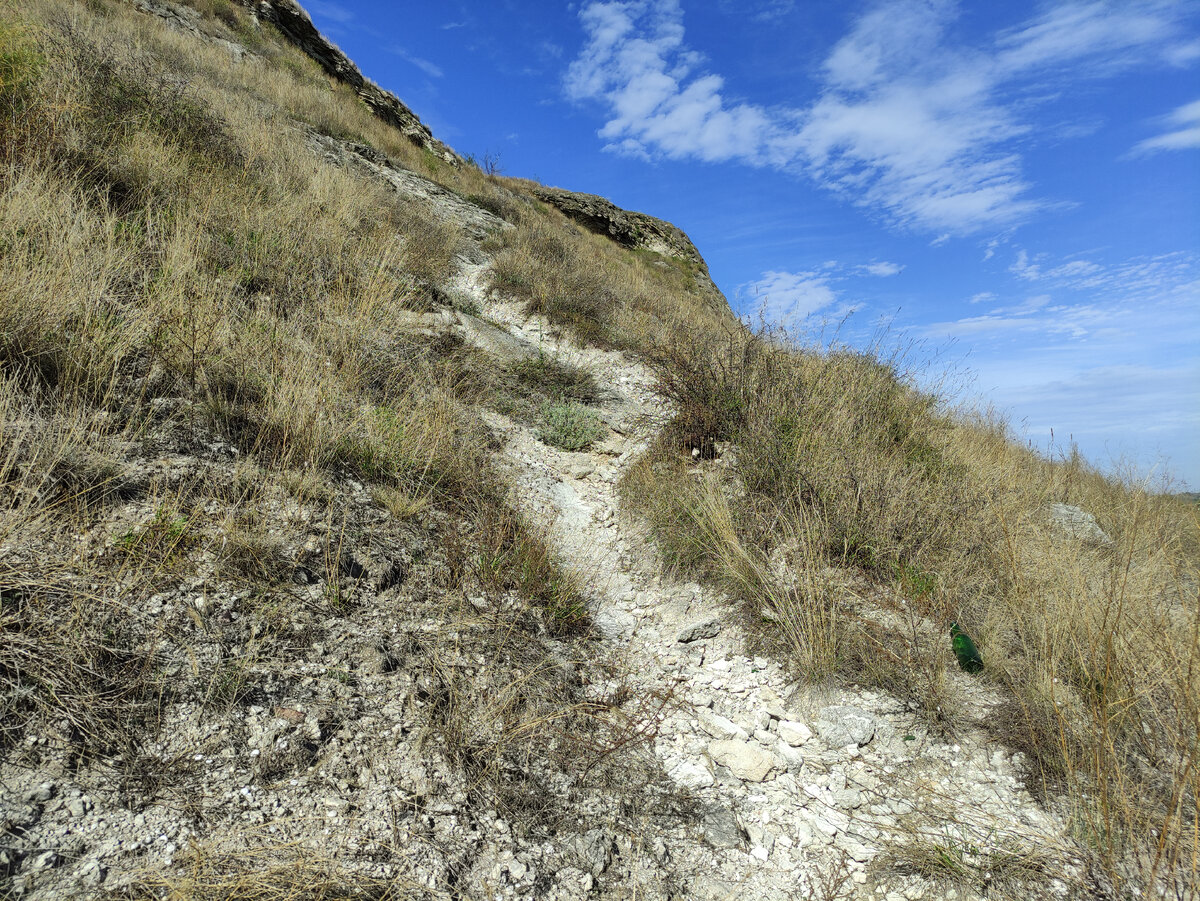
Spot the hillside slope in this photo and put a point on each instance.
(374, 527)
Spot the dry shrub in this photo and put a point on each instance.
(69, 656)
(269, 875)
(840, 463)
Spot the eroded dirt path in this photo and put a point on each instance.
(804, 793)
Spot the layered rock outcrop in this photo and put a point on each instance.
(293, 22)
(635, 230)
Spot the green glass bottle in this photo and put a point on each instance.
(965, 650)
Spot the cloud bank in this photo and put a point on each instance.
(921, 131)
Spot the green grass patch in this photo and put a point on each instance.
(570, 426)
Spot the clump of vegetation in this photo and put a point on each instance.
(570, 426)
(550, 377)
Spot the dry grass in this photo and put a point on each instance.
(605, 295)
(183, 278)
(271, 877)
(988, 865)
(856, 519)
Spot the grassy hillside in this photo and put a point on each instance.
(889, 517)
(208, 374)
(222, 445)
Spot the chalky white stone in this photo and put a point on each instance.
(750, 763)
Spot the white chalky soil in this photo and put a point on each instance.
(789, 818)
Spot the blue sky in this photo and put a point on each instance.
(1015, 187)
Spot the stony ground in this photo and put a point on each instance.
(737, 780)
(804, 791)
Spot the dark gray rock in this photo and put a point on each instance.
(709, 628)
(722, 829)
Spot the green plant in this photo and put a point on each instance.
(161, 542)
(958, 855)
(20, 66)
(230, 684)
(570, 426)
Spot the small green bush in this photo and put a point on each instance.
(571, 426)
(19, 68)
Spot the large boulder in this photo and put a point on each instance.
(747, 761)
(1078, 524)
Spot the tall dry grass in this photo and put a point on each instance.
(603, 294)
(179, 269)
(855, 518)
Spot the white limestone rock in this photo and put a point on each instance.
(793, 732)
(842, 725)
(750, 763)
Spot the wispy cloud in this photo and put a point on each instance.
(1103, 351)
(1183, 131)
(1098, 34)
(758, 10)
(433, 70)
(907, 124)
(791, 297)
(331, 11)
(882, 270)
(1145, 302)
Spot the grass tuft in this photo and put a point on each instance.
(569, 426)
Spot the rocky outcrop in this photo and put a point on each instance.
(294, 23)
(473, 220)
(1076, 523)
(635, 230)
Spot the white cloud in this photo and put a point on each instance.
(1024, 269)
(1183, 55)
(791, 297)
(1141, 303)
(331, 11)
(1184, 133)
(637, 63)
(758, 10)
(907, 124)
(882, 270)
(433, 70)
(1102, 34)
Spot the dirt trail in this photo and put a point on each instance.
(806, 792)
